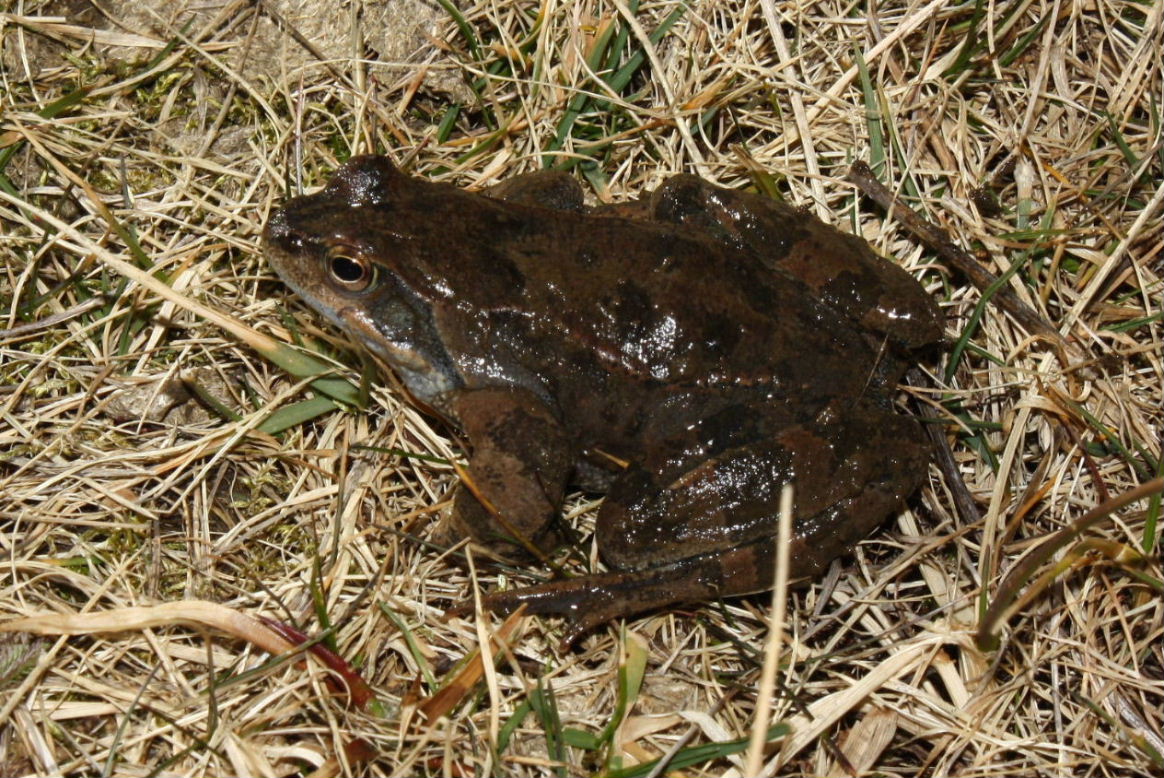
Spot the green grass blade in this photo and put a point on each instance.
(464, 27)
(297, 413)
(414, 648)
(690, 757)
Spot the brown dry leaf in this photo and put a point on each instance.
(454, 690)
(864, 743)
(187, 612)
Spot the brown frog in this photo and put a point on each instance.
(687, 353)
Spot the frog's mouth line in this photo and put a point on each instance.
(423, 379)
(372, 338)
(353, 320)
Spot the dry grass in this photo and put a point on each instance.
(1051, 110)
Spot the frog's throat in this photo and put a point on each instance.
(425, 380)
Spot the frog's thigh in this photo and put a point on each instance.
(520, 463)
(849, 467)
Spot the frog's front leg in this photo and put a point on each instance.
(688, 531)
(546, 188)
(520, 462)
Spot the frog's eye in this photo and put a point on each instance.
(353, 273)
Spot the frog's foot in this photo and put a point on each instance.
(590, 601)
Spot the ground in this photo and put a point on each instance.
(170, 470)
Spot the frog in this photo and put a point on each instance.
(685, 354)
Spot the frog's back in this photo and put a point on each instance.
(607, 303)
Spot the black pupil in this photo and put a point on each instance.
(347, 270)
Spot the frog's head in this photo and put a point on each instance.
(346, 251)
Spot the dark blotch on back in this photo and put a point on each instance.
(629, 307)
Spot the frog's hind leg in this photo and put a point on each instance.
(706, 528)
(590, 601)
(851, 464)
